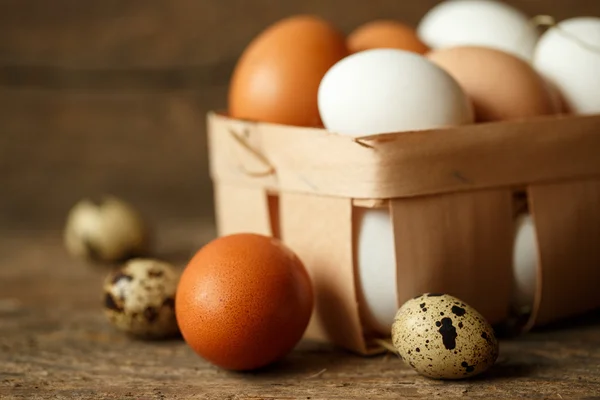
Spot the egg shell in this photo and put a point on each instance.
(109, 230)
(386, 90)
(525, 263)
(501, 86)
(568, 55)
(377, 269)
(385, 34)
(139, 298)
(485, 23)
(277, 77)
(244, 301)
(556, 97)
(441, 337)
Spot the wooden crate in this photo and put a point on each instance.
(305, 185)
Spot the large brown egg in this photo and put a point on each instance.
(277, 77)
(500, 85)
(243, 301)
(385, 34)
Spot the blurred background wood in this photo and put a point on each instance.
(110, 96)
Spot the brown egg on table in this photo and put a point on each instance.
(441, 337)
(500, 85)
(385, 34)
(244, 301)
(277, 77)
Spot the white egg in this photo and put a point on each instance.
(569, 57)
(376, 253)
(479, 23)
(388, 90)
(378, 91)
(525, 263)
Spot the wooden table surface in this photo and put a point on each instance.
(56, 343)
(110, 97)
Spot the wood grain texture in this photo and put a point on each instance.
(155, 33)
(110, 96)
(307, 226)
(241, 209)
(458, 243)
(567, 220)
(403, 164)
(55, 148)
(87, 88)
(56, 344)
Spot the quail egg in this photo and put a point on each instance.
(110, 230)
(139, 299)
(441, 337)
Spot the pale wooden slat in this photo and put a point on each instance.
(241, 210)
(567, 221)
(405, 164)
(319, 230)
(458, 244)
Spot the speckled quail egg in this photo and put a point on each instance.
(109, 230)
(441, 337)
(139, 298)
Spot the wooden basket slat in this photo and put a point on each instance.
(242, 209)
(567, 220)
(405, 164)
(458, 244)
(319, 230)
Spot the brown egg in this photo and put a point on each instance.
(243, 301)
(277, 77)
(500, 85)
(386, 34)
(556, 97)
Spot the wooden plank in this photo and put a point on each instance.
(155, 33)
(55, 342)
(460, 244)
(56, 147)
(197, 77)
(567, 221)
(241, 209)
(319, 230)
(507, 154)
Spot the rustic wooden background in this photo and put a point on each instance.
(110, 96)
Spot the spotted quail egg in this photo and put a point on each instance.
(109, 230)
(441, 337)
(139, 298)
